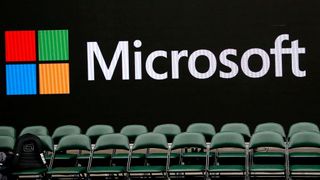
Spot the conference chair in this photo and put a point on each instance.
(95, 131)
(35, 130)
(7, 143)
(190, 163)
(119, 151)
(271, 126)
(133, 130)
(65, 130)
(169, 130)
(153, 163)
(8, 131)
(240, 128)
(72, 167)
(206, 129)
(304, 154)
(302, 127)
(268, 155)
(230, 156)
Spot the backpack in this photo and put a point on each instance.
(28, 153)
(5, 164)
(3, 160)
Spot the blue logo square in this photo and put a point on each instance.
(21, 79)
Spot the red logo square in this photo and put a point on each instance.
(20, 46)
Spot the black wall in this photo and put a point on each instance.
(170, 25)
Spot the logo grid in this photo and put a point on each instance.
(22, 67)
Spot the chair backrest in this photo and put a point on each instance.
(112, 141)
(228, 140)
(133, 130)
(206, 129)
(95, 131)
(305, 139)
(7, 131)
(169, 130)
(240, 128)
(302, 127)
(35, 130)
(6, 143)
(64, 131)
(47, 143)
(150, 140)
(271, 126)
(267, 139)
(74, 142)
(188, 140)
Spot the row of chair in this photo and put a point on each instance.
(189, 154)
(170, 130)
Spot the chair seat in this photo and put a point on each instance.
(62, 156)
(269, 154)
(30, 172)
(231, 154)
(161, 155)
(48, 157)
(305, 154)
(305, 168)
(186, 168)
(267, 168)
(67, 170)
(106, 169)
(147, 169)
(95, 156)
(125, 156)
(227, 168)
(194, 154)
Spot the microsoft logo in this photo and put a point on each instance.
(31, 70)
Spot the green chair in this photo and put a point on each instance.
(35, 130)
(206, 129)
(64, 131)
(240, 128)
(70, 142)
(47, 145)
(7, 131)
(304, 156)
(153, 163)
(190, 163)
(169, 130)
(95, 131)
(48, 148)
(267, 154)
(7, 143)
(132, 131)
(302, 127)
(230, 155)
(271, 126)
(116, 143)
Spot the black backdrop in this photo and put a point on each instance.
(170, 25)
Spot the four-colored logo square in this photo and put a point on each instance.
(29, 74)
(53, 45)
(54, 78)
(21, 79)
(20, 46)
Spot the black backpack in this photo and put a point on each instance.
(28, 153)
(5, 165)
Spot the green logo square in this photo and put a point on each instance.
(53, 45)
